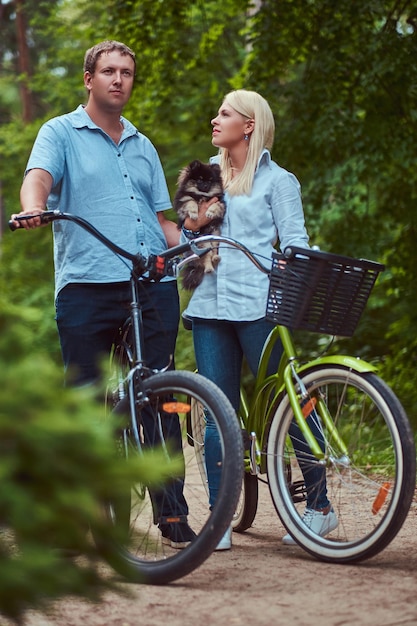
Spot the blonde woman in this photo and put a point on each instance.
(263, 208)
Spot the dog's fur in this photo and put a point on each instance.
(196, 182)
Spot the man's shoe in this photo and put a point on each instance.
(178, 535)
(321, 522)
(225, 542)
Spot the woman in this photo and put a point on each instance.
(264, 207)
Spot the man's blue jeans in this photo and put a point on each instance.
(89, 317)
(219, 349)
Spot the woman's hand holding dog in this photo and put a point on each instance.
(202, 219)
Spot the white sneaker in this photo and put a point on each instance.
(321, 522)
(225, 542)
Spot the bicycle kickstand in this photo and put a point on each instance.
(253, 454)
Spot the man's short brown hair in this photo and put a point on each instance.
(94, 53)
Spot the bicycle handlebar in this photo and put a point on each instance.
(167, 263)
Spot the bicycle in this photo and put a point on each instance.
(363, 439)
(144, 406)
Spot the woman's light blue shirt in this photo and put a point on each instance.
(272, 213)
(118, 188)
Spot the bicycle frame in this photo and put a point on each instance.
(256, 413)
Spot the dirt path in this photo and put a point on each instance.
(265, 583)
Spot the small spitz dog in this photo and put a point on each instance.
(196, 182)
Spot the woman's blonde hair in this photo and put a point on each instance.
(253, 106)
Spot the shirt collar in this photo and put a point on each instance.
(265, 157)
(81, 119)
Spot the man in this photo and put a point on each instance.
(94, 163)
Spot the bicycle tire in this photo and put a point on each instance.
(144, 557)
(382, 465)
(247, 505)
(197, 428)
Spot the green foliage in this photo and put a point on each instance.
(55, 460)
(58, 33)
(187, 54)
(342, 83)
(343, 86)
(26, 279)
(57, 464)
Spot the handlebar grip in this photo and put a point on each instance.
(22, 218)
(46, 217)
(12, 225)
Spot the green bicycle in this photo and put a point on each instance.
(351, 423)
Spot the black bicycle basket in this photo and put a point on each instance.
(319, 291)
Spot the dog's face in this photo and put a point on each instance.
(201, 178)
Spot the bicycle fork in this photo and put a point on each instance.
(304, 406)
(250, 441)
(254, 454)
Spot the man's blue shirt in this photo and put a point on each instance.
(118, 188)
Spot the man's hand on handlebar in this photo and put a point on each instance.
(28, 224)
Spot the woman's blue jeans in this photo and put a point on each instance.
(219, 349)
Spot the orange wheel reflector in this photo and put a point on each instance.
(381, 497)
(309, 407)
(176, 407)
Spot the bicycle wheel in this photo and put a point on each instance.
(248, 499)
(247, 505)
(145, 556)
(370, 485)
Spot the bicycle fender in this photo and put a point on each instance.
(355, 363)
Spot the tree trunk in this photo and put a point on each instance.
(24, 62)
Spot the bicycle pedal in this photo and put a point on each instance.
(298, 491)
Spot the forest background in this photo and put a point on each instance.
(341, 78)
